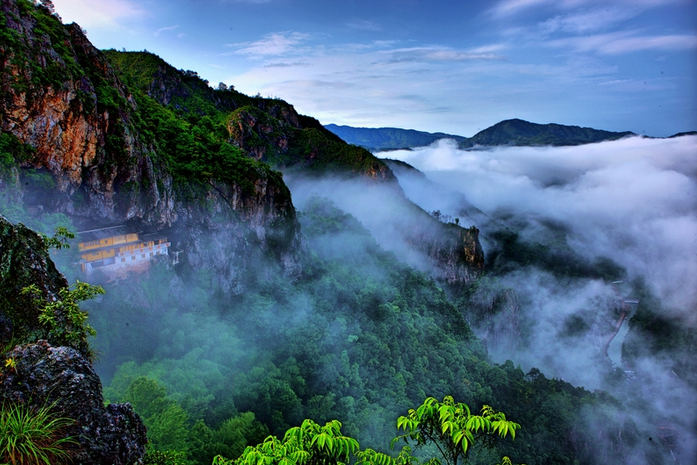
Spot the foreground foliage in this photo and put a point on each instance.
(63, 318)
(447, 425)
(32, 437)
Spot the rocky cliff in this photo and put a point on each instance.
(105, 155)
(123, 137)
(47, 370)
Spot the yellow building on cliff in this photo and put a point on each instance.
(115, 254)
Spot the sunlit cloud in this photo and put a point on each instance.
(108, 15)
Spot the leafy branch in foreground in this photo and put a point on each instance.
(33, 436)
(308, 443)
(452, 428)
(448, 425)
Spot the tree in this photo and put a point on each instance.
(307, 444)
(165, 419)
(452, 428)
(448, 425)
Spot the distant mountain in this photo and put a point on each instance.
(519, 132)
(687, 133)
(377, 139)
(515, 132)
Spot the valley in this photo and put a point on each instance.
(257, 273)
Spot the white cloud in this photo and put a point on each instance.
(275, 44)
(616, 43)
(165, 29)
(102, 14)
(490, 48)
(511, 7)
(583, 22)
(438, 53)
(364, 25)
(632, 200)
(508, 8)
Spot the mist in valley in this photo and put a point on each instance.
(595, 232)
(366, 325)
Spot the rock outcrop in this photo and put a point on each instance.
(43, 373)
(456, 251)
(61, 377)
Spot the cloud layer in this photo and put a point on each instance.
(633, 200)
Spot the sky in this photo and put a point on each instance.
(433, 65)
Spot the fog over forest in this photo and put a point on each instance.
(632, 201)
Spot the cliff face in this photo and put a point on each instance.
(49, 372)
(457, 252)
(90, 134)
(54, 84)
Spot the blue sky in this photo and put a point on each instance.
(451, 66)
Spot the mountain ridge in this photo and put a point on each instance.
(510, 132)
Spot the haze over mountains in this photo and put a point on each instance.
(514, 132)
(311, 279)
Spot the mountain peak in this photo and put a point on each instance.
(520, 132)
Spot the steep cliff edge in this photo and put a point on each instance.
(55, 372)
(123, 137)
(110, 155)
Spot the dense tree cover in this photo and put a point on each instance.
(266, 128)
(358, 336)
(195, 149)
